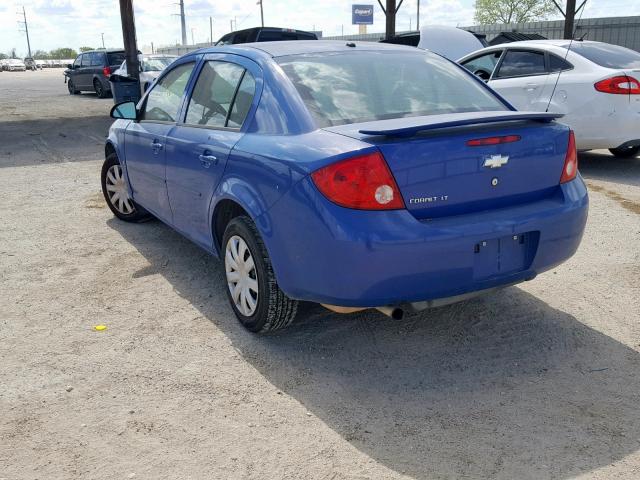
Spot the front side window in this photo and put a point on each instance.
(219, 85)
(163, 102)
(78, 61)
(518, 63)
(364, 86)
(86, 60)
(483, 65)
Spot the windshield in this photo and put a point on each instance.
(156, 64)
(343, 88)
(607, 55)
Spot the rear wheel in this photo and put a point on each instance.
(625, 152)
(99, 88)
(114, 189)
(252, 289)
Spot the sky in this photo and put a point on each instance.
(77, 23)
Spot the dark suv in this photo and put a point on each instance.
(265, 34)
(91, 71)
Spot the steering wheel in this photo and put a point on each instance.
(482, 74)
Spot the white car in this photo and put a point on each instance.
(598, 87)
(150, 68)
(15, 65)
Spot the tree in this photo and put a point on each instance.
(512, 11)
(86, 49)
(62, 53)
(40, 55)
(3, 56)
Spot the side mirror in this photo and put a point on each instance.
(70, 66)
(124, 110)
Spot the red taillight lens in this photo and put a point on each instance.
(479, 142)
(570, 169)
(363, 182)
(621, 85)
(106, 71)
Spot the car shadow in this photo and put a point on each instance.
(52, 140)
(598, 165)
(504, 386)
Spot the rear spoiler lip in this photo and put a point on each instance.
(543, 117)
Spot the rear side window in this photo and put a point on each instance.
(607, 55)
(97, 59)
(372, 85)
(517, 63)
(115, 58)
(163, 102)
(557, 64)
(212, 101)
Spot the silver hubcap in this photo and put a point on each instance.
(117, 190)
(242, 277)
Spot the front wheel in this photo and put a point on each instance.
(72, 88)
(625, 152)
(114, 189)
(252, 289)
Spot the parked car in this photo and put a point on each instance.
(30, 64)
(450, 42)
(327, 172)
(598, 87)
(15, 65)
(150, 67)
(265, 34)
(90, 71)
(41, 64)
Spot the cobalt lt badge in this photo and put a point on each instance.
(495, 161)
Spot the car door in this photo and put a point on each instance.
(521, 77)
(198, 147)
(146, 137)
(483, 65)
(74, 73)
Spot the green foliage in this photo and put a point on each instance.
(61, 53)
(86, 49)
(512, 11)
(3, 56)
(40, 55)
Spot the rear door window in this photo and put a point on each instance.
(607, 55)
(519, 63)
(213, 96)
(164, 100)
(97, 59)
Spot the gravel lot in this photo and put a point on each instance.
(539, 381)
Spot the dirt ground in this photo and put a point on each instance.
(539, 381)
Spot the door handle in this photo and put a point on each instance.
(156, 145)
(531, 87)
(207, 160)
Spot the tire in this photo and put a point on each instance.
(72, 88)
(113, 187)
(99, 88)
(626, 152)
(272, 309)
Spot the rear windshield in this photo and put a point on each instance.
(607, 55)
(363, 86)
(115, 58)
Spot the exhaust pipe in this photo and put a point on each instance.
(394, 312)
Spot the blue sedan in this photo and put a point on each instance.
(353, 175)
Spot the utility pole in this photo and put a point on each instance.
(261, 13)
(102, 40)
(418, 17)
(183, 24)
(231, 24)
(193, 42)
(390, 14)
(152, 51)
(129, 38)
(211, 30)
(26, 30)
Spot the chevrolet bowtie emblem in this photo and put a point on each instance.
(495, 161)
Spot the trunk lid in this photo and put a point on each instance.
(438, 174)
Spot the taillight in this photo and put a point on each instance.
(106, 71)
(479, 142)
(621, 85)
(363, 182)
(570, 168)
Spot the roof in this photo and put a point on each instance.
(299, 47)
(504, 37)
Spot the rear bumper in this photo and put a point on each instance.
(328, 254)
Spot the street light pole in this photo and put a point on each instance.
(418, 17)
(261, 13)
(102, 40)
